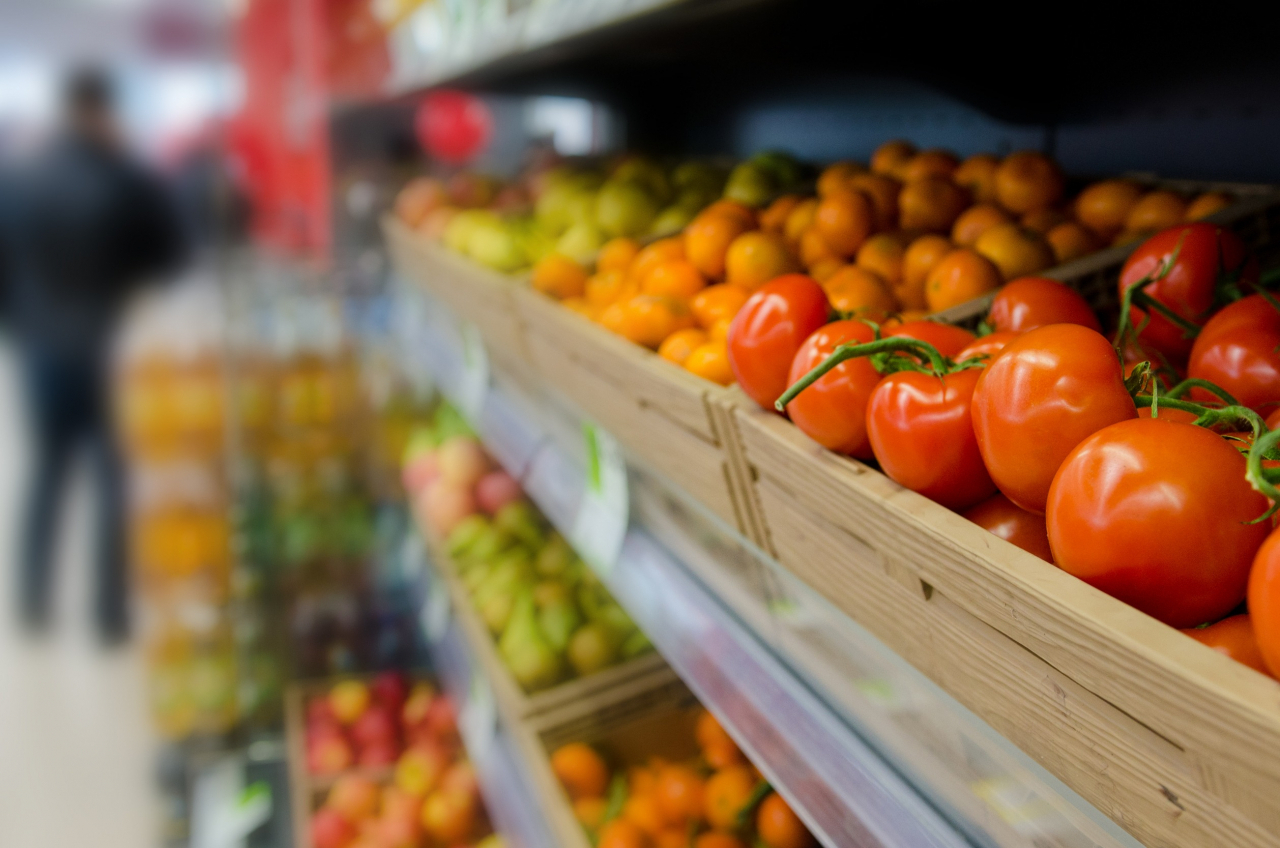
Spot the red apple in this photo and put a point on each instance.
(443, 505)
(354, 796)
(420, 768)
(497, 489)
(449, 816)
(381, 754)
(375, 726)
(329, 753)
(319, 711)
(401, 818)
(441, 718)
(390, 689)
(330, 830)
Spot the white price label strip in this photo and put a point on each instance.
(435, 612)
(478, 719)
(602, 518)
(475, 374)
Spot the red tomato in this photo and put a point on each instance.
(1205, 252)
(1239, 350)
(1234, 637)
(1012, 523)
(922, 435)
(947, 338)
(1046, 391)
(1166, 414)
(1029, 302)
(769, 329)
(988, 345)
(833, 411)
(1157, 514)
(1264, 601)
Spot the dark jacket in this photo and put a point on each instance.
(81, 227)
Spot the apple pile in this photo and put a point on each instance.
(433, 801)
(369, 725)
(449, 477)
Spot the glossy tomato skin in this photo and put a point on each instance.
(1002, 517)
(922, 435)
(989, 345)
(1206, 252)
(1234, 637)
(1156, 514)
(1264, 601)
(769, 329)
(947, 338)
(1239, 350)
(1046, 391)
(1030, 302)
(833, 411)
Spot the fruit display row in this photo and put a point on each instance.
(809, 506)
(551, 617)
(571, 210)
(396, 774)
(625, 796)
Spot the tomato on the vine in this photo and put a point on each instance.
(1157, 514)
(920, 429)
(1002, 517)
(1046, 391)
(1030, 302)
(1201, 255)
(1235, 637)
(947, 338)
(833, 411)
(769, 329)
(1264, 601)
(988, 345)
(1239, 350)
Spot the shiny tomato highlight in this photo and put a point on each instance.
(833, 411)
(1239, 350)
(769, 329)
(1030, 302)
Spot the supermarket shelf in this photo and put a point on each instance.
(505, 781)
(852, 735)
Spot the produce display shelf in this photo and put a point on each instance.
(1156, 731)
(852, 753)
(506, 783)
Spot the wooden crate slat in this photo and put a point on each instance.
(926, 580)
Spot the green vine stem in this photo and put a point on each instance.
(895, 353)
(1195, 382)
(1235, 417)
(1263, 479)
(1136, 296)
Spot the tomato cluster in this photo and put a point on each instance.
(1142, 467)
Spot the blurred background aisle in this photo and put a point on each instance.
(76, 764)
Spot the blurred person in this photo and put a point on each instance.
(82, 226)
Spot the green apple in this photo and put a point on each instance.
(625, 208)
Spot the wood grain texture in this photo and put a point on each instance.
(1179, 745)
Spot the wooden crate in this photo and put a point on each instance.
(1175, 742)
(582, 694)
(474, 293)
(655, 721)
(678, 424)
(1255, 217)
(307, 791)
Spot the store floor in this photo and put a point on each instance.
(76, 753)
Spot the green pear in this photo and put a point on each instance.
(548, 592)
(506, 573)
(625, 208)
(782, 167)
(592, 647)
(555, 557)
(490, 544)
(523, 522)
(562, 204)
(498, 607)
(635, 645)
(645, 172)
(558, 622)
(474, 577)
(750, 185)
(672, 220)
(615, 617)
(497, 246)
(466, 534)
(525, 650)
(581, 242)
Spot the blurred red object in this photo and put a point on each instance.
(453, 126)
